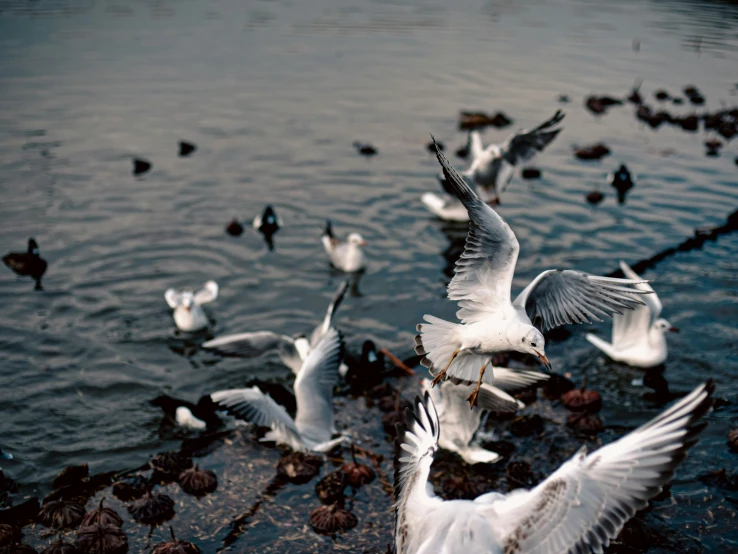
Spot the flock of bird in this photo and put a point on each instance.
(581, 506)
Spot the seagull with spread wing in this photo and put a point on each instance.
(490, 322)
(638, 336)
(492, 167)
(312, 428)
(579, 508)
(459, 425)
(292, 350)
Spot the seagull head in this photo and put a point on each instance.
(534, 343)
(356, 239)
(663, 326)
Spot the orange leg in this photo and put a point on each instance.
(438, 378)
(473, 396)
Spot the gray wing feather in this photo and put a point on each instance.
(484, 272)
(558, 297)
(314, 388)
(526, 144)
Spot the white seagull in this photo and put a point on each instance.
(577, 509)
(447, 207)
(492, 167)
(459, 424)
(490, 322)
(292, 350)
(347, 256)
(312, 427)
(638, 336)
(187, 306)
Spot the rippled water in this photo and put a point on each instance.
(274, 93)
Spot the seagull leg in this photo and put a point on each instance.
(472, 398)
(438, 378)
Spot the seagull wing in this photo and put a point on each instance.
(260, 409)
(327, 322)
(526, 144)
(565, 296)
(586, 502)
(252, 345)
(485, 270)
(207, 294)
(314, 388)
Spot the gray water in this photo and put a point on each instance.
(274, 93)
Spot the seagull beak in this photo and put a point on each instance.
(673, 329)
(544, 360)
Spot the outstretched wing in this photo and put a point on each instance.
(260, 409)
(526, 144)
(251, 345)
(327, 322)
(485, 270)
(314, 388)
(586, 502)
(207, 294)
(565, 296)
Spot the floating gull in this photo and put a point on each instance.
(292, 350)
(459, 424)
(492, 167)
(638, 336)
(348, 256)
(490, 322)
(579, 508)
(187, 306)
(312, 427)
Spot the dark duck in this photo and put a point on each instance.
(28, 263)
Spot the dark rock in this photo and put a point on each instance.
(530, 173)
(582, 400)
(60, 547)
(733, 440)
(527, 425)
(330, 488)
(71, 475)
(176, 546)
(331, 519)
(131, 487)
(102, 516)
(298, 467)
(186, 148)
(60, 514)
(140, 166)
(198, 482)
(102, 539)
(595, 197)
(152, 509)
(593, 152)
(234, 228)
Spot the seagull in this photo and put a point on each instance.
(292, 350)
(490, 322)
(459, 424)
(347, 256)
(196, 417)
(492, 167)
(312, 427)
(447, 207)
(187, 306)
(638, 336)
(579, 508)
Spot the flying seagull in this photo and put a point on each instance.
(579, 508)
(490, 321)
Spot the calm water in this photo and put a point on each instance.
(274, 93)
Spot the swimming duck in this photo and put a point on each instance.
(187, 305)
(28, 263)
(348, 255)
